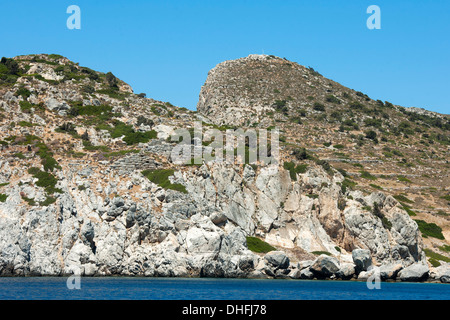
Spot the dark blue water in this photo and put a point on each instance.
(111, 288)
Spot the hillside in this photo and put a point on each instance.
(401, 151)
(87, 181)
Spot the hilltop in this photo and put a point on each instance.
(87, 181)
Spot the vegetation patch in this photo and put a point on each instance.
(257, 245)
(408, 210)
(88, 146)
(130, 136)
(9, 71)
(293, 169)
(119, 153)
(402, 198)
(347, 184)
(403, 179)
(430, 229)
(46, 180)
(47, 159)
(161, 178)
(318, 253)
(367, 175)
(3, 197)
(435, 257)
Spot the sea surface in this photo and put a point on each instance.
(122, 288)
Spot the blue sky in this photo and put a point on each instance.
(166, 48)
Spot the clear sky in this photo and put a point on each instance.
(166, 48)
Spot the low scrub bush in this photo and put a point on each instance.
(161, 178)
(257, 245)
(430, 229)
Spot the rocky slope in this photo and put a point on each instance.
(87, 185)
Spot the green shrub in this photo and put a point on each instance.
(130, 136)
(280, 106)
(9, 71)
(26, 124)
(435, 263)
(403, 179)
(430, 229)
(338, 146)
(161, 178)
(375, 186)
(332, 99)
(347, 184)
(257, 245)
(119, 153)
(140, 137)
(19, 155)
(402, 198)
(318, 253)
(367, 175)
(442, 213)
(25, 106)
(293, 169)
(372, 122)
(436, 256)
(372, 135)
(46, 180)
(48, 201)
(319, 107)
(31, 202)
(3, 197)
(408, 210)
(357, 106)
(67, 127)
(88, 146)
(22, 91)
(301, 154)
(47, 159)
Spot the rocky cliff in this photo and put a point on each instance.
(88, 186)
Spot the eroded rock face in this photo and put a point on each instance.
(202, 233)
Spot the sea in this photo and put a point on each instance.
(133, 288)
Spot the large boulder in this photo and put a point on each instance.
(390, 271)
(362, 259)
(441, 273)
(415, 272)
(325, 266)
(306, 274)
(346, 271)
(277, 259)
